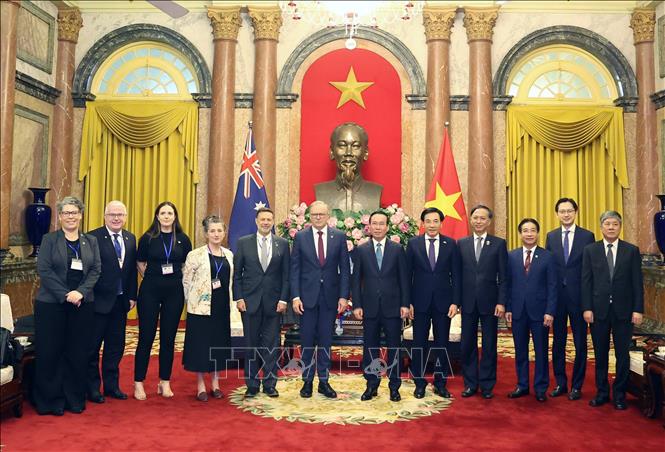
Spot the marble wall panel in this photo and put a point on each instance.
(37, 40)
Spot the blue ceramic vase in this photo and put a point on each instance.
(37, 218)
(659, 226)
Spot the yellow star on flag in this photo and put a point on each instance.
(445, 203)
(351, 89)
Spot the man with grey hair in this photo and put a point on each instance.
(612, 302)
(115, 295)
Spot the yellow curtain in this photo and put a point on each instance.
(575, 152)
(141, 153)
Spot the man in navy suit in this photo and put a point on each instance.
(484, 259)
(566, 243)
(320, 288)
(434, 273)
(115, 295)
(612, 301)
(531, 307)
(380, 288)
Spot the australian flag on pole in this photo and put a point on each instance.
(250, 194)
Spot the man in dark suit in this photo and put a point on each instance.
(115, 295)
(484, 259)
(612, 301)
(531, 306)
(320, 288)
(380, 288)
(434, 274)
(566, 243)
(261, 291)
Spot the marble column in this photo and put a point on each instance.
(438, 24)
(61, 164)
(479, 24)
(643, 24)
(8, 20)
(266, 22)
(225, 23)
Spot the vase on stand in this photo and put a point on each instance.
(659, 226)
(37, 218)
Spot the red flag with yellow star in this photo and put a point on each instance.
(446, 195)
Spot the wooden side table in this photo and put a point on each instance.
(655, 376)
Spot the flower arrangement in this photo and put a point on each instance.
(355, 225)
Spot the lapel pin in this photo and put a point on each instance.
(445, 243)
(488, 242)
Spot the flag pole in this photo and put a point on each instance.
(249, 124)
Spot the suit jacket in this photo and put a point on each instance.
(625, 289)
(382, 291)
(52, 267)
(256, 287)
(441, 286)
(308, 277)
(570, 273)
(106, 289)
(533, 294)
(197, 282)
(483, 282)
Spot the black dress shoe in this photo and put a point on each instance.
(370, 392)
(394, 395)
(271, 392)
(96, 397)
(306, 391)
(442, 392)
(76, 409)
(575, 394)
(419, 392)
(468, 392)
(58, 412)
(116, 394)
(517, 393)
(541, 397)
(327, 390)
(251, 392)
(487, 395)
(598, 401)
(620, 405)
(558, 391)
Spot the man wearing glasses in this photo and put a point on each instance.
(115, 295)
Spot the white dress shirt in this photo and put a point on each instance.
(325, 240)
(533, 253)
(436, 246)
(615, 248)
(571, 236)
(259, 245)
(121, 240)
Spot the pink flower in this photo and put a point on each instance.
(404, 227)
(287, 223)
(364, 219)
(292, 232)
(349, 245)
(332, 222)
(397, 218)
(363, 240)
(300, 210)
(366, 230)
(300, 220)
(357, 234)
(395, 238)
(349, 222)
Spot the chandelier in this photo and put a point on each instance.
(351, 14)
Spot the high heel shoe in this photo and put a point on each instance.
(164, 390)
(139, 392)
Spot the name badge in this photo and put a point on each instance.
(167, 269)
(216, 284)
(77, 264)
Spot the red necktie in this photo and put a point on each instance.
(527, 262)
(322, 257)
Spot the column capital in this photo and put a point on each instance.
(69, 24)
(266, 21)
(438, 22)
(643, 23)
(225, 22)
(479, 23)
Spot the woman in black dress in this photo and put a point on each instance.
(207, 278)
(161, 253)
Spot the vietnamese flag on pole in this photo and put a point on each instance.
(446, 195)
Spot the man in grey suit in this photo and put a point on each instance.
(260, 289)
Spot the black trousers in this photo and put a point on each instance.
(109, 329)
(622, 333)
(479, 373)
(62, 337)
(560, 332)
(420, 353)
(262, 340)
(160, 298)
(372, 367)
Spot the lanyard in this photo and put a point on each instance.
(76, 249)
(218, 268)
(168, 251)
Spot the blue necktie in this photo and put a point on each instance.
(379, 255)
(118, 252)
(566, 247)
(432, 255)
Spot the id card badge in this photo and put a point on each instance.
(167, 269)
(77, 264)
(216, 283)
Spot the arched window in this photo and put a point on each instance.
(145, 70)
(561, 74)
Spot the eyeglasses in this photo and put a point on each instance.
(115, 215)
(567, 211)
(69, 213)
(318, 215)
